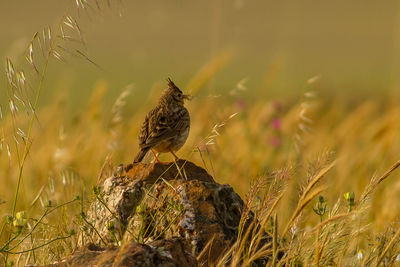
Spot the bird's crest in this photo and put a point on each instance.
(171, 83)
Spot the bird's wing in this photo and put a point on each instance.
(144, 131)
(180, 120)
(155, 128)
(164, 125)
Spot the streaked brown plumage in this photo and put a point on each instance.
(166, 127)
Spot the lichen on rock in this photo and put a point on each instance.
(148, 206)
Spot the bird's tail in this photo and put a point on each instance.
(139, 157)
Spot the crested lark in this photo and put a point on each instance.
(166, 127)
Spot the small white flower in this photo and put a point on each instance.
(360, 255)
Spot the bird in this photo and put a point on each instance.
(166, 127)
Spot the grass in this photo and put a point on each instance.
(317, 170)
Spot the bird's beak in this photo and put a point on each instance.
(187, 97)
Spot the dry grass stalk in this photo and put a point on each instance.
(376, 181)
(305, 198)
(388, 246)
(301, 205)
(332, 219)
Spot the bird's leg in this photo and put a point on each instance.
(175, 156)
(155, 156)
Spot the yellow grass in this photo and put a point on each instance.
(279, 154)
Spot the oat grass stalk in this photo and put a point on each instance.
(28, 143)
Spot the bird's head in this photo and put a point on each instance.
(173, 94)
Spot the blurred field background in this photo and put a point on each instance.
(277, 85)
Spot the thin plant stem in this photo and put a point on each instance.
(94, 228)
(275, 241)
(382, 255)
(27, 143)
(42, 245)
(47, 212)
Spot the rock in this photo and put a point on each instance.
(168, 253)
(116, 202)
(151, 173)
(197, 211)
(120, 194)
(164, 214)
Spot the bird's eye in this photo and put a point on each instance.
(179, 95)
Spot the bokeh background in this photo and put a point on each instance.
(277, 45)
(276, 84)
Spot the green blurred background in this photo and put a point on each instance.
(276, 45)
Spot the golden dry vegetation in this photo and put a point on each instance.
(317, 167)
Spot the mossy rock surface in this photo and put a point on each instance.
(144, 210)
